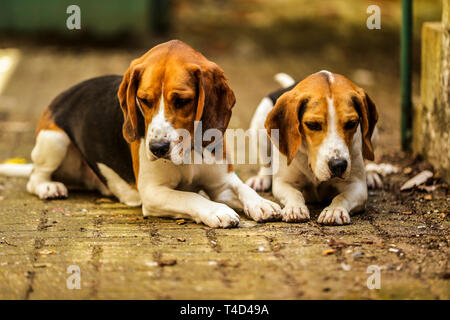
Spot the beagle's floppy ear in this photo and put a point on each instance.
(369, 117)
(127, 99)
(286, 117)
(215, 98)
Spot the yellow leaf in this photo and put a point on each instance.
(16, 160)
(328, 252)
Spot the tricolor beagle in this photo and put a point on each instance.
(121, 136)
(325, 125)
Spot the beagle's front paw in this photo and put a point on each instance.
(262, 210)
(334, 216)
(375, 172)
(51, 190)
(295, 213)
(260, 183)
(374, 180)
(220, 216)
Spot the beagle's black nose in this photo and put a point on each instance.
(160, 147)
(337, 166)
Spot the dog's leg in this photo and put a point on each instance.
(240, 196)
(47, 155)
(352, 198)
(226, 196)
(295, 209)
(162, 201)
(263, 180)
(119, 187)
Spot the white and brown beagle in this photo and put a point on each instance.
(325, 124)
(121, 136)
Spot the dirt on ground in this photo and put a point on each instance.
(402, 235)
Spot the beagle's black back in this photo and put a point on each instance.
(90, 114)
(276, 94)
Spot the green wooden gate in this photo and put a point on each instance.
(98, 17)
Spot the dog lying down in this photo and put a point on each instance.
(325, 125)
(121, 136)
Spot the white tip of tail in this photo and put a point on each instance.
(16, 170)
(284, 80)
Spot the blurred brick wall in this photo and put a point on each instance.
(431, 134)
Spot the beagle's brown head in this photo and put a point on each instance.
(173, 85)
(328, 117)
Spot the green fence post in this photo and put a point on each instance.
(406, 42)
(160, 16)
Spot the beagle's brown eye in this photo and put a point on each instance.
(181, 102)
(349, 125)
(314, 126)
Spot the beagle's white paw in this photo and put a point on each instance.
(334, 216)
(374, 172)
(220, 216)
(295, 213)
(260, 183)
(374, 180)
(262, 210)
(50, 190)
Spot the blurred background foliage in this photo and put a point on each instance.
(267, 26)
(230, 26)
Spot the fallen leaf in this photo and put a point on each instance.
(47, 252)
(167, 262)
(327, 252)
(346, 267)
(407, 170)
(16, 161)
(407, 212)
(417, 180)
(228, 263)
(151, 264)
(336, 244)
(41, 265)
(428, 197)
(427, 188)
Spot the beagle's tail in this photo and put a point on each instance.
(284, 80)
(16, 169)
